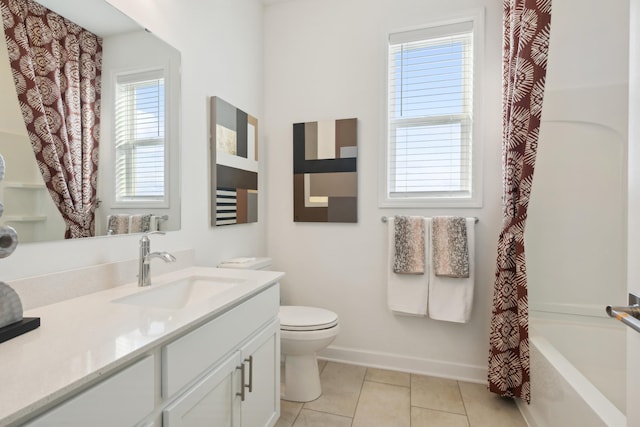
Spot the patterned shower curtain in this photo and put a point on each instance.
(527, 25)
(56, 68)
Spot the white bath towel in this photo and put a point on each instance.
(154, 223)
(451, 299)
(406, 293)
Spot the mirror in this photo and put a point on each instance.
(127, 50)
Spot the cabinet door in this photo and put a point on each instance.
(210, 402)
(261, 356)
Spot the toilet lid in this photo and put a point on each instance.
(300, 318)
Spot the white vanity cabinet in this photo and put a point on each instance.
(226, 373)
(215, 363)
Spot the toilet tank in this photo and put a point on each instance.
(247, 263)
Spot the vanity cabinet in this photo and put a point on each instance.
(241, 387)
(222, 371)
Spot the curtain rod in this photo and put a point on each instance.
(385, 219)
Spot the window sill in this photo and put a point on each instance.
(442, 202)
(140, 204)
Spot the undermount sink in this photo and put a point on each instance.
(181, 293)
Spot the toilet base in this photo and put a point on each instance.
(302, 378)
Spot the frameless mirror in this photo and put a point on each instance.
(131, 58)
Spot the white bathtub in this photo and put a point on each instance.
(577, 372)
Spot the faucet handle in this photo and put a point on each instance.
(145, 236)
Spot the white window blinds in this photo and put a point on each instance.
(430, 112)
(140, 137)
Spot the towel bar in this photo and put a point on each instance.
(629, 315)
(385, 219)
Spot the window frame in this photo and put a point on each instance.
(473, 198)
(145, 202)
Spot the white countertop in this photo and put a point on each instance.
(83, 338)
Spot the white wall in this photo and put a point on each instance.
(221, 50)
(326, 59)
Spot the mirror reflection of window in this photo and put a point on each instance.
(140, 138)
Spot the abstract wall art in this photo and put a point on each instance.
(234, 163)
(325, 185)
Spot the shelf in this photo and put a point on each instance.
(24, 218)
(24, 185)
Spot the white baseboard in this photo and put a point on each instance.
(527, 414)
(396, 362)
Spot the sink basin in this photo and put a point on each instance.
(181, 293)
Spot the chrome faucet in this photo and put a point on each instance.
(144, 279)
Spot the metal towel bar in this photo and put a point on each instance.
(629, 315)
(386, 218)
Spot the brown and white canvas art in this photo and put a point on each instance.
(234, 162)
(325, 185)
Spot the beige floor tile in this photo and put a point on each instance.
(388, 377)
(436, 393)
(308, 418)
(341, 384)
(321, 365)
(421, 417)
(288, 413)
(486, 409)
(383, 405)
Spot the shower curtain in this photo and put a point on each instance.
(56, 67)
(527, 25)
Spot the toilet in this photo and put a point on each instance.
(304, 331)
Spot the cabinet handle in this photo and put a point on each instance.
(242, 386)
(250, 360)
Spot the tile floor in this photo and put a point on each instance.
(366, 397)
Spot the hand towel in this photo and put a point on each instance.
(451, 299)
(449, 246)
(118, 224)
(154, 223)
(409, 245)
(140, 223)
(407, 293)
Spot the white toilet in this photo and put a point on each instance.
(303, 332)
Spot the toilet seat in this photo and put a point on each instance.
(302, 318)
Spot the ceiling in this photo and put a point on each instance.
(97, 16)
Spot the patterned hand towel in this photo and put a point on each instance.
(140, 223)
(118, 224)
(409, 245)
(449, 247)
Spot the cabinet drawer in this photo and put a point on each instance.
(121, 400)
(186, 358)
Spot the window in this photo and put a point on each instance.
(140, 159)
(429, 151)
